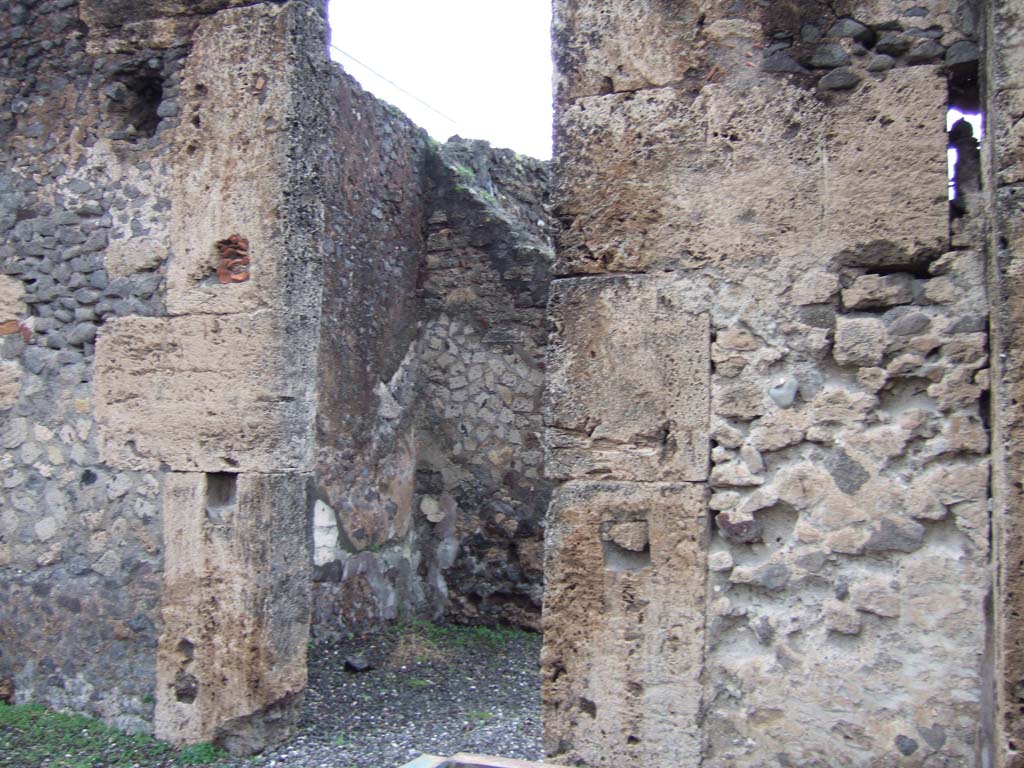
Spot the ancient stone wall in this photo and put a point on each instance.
(1003, 180)
(785, 396)
(367, 553)
(230, 280)
(483, 290)
(84, 204)
(429, 466)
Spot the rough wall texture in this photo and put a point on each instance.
(84, 170)
(480, 471)
(779, 169)
(1004, 191)
(266, 349)
(429, 464)
(365, 461)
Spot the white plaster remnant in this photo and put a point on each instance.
(325, 534)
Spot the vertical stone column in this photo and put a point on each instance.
(757, 269)
(221, 394)
(626, 432)
(1004, 187)
(626, 420)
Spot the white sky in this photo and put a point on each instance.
(485, 64)
(976, 122)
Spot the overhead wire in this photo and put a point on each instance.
(392, 83)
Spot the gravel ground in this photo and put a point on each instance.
(433, 690)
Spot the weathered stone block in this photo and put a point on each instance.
(873, 291)
(136, 254)
(628, 381)
(235, 607)
(624, 45)
(860, 341)
(231, 173)
(624, 630)
(12, 293)
(891, 123)
(689, 200)
(210, 393)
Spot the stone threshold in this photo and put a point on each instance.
(465, 760)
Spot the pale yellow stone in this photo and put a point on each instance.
(137, 254)
(627, 387)
(10, 383)
(814, 287)
(12, 291)
(203, 392)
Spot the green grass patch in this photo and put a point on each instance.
(31, 736)
(458, 635)
(200, 754)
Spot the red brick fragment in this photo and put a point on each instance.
(234, 259)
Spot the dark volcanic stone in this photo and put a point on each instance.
(895, 536)
(881, 62)
(892, 44)
(848, 474)
(739, 531)
(925, 51)
(829, 56)
(906, 745)
(780, 61)
(852, 29)
(909, 325)
(357, 663)
(840, 79)
(962, 52)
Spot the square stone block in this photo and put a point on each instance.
(206, 392)
(628, 390)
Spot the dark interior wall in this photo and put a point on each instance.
(429, 469)
(374, 187)
(482, 294)
(83, 143)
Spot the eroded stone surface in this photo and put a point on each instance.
(234, 608)
(817, 170)
(626, 393)
(231, 169)
(794, 188)
(625, 688)
(196, 393)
